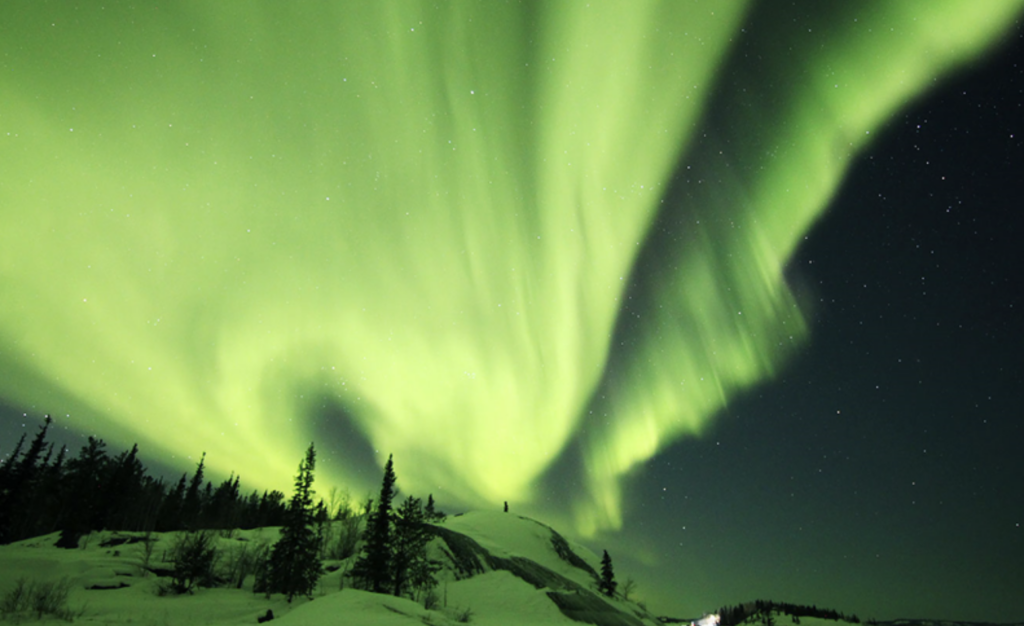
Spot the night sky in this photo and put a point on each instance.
(871, 464)
(882, 471)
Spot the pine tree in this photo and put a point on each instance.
(607, 585)
(121, 492)
(6, 466)
(372, 570)
(191, 508)
(86, 476)
(295, 565)
(18, 486)
(410, 568)
(430, 513)
(170, 509)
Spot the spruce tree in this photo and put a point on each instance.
(372, 570)
(18, 484)
(170, 508)
(295, 565)
(410, 568)
(430, 513)
(607, 585)
(120, 494)
(6, 466)
(86, 476)
(191, 508)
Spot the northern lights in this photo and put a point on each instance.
(454, 223)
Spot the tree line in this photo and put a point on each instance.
(44, 491)
(764, 609)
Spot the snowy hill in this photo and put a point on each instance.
(496, 569)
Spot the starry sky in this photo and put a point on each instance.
(882, 470)
(173, 272)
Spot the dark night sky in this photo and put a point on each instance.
(883, 468)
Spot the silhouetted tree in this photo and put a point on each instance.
(410, 568)
(19, 484)
(192, 506)
(121, 492)
(170, 510)
(295, 566)
(430, 513)
(86, 476)
(50, 495)
(372, 570)
(9, 463)
(607, 584)
(272, 509)
(222, 508)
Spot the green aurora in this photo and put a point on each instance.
(218, 216)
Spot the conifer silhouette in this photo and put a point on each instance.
(430, 512)
(410, 568)
(373, 569)
(295, 565)
(607, 585)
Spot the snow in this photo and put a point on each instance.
(492, 598)
(506, 535)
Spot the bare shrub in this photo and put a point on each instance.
(39, 599)
(242, 560)
(431, 600)
(145, 551)
(627, 588)
(341, 537)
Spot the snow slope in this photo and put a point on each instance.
(497, 568)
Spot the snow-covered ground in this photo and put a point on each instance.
(109, 584)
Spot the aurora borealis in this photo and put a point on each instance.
(460, 227)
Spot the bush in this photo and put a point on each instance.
(145, 551)
(462, 615)
(38, 599)
(194, 556)
(244, 559)
(431, 600)
(344, 545)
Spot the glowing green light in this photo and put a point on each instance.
(218, 215)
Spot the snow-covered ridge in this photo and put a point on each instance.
(497, 568)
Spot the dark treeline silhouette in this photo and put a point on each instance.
(732, 615)
(43, 491)
(394, 555)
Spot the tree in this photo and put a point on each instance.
(430, 513)
(193, 555)
(607, 585)
(295, 565)
(410, 568)
(372, 570)
(192, 506)
(86, 476)
(628, 587)
(170, 509)
(121, 492)
(221, 511)
(17, 483)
